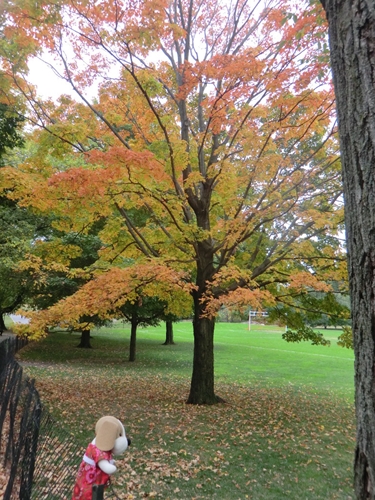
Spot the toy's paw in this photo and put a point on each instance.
(107, 467)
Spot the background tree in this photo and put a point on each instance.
(144, 311)
(10, 130)
(169, 337)
(352, 36)
(17, 226)
(67, 279)
(18, 230)
(213, 120)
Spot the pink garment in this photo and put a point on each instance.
(90, 474)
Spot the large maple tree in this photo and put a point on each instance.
(209, 148)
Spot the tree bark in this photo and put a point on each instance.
(202, 380)
(352, 44)
(133, 338)
(85, 339)
(168, 333)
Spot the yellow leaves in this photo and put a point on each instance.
(149, 83)
(35, 330)
(56, 251)
(305, 248)
(176, 31)
(321, 221)
(179, 160)
(193, 179)
(20, 184)
(36, 264)
(304, 280)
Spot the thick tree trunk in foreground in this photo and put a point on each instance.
(168, 333)
(202, 380)
(85, 339)
(352, 42)
(202, 389)
(133, 338)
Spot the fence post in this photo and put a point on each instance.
(98, 492)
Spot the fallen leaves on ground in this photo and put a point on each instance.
(200, 451)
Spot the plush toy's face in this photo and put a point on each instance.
(110, 435)
(121, 442)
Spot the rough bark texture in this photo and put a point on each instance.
(168, 333)
(352, 43)
(202, 380)
(85, 339)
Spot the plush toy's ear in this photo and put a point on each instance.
(106, 430)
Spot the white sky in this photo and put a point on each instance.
(47, 82)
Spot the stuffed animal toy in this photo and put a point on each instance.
(98, 465)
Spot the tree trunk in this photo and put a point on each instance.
(352, 43)
(133, 338)
(85, 339)
(202, 380)
(2, 324)
(168, 333)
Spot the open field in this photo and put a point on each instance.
(285, 432)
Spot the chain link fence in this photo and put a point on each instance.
(39, 458)
(20, 413)
(57, 461)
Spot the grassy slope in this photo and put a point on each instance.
(286, 431)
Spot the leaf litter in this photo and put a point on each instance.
(187, 451)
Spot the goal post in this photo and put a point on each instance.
(256, 314)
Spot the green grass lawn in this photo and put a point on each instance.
(286, 430)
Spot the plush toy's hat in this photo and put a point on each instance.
(107, 430)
